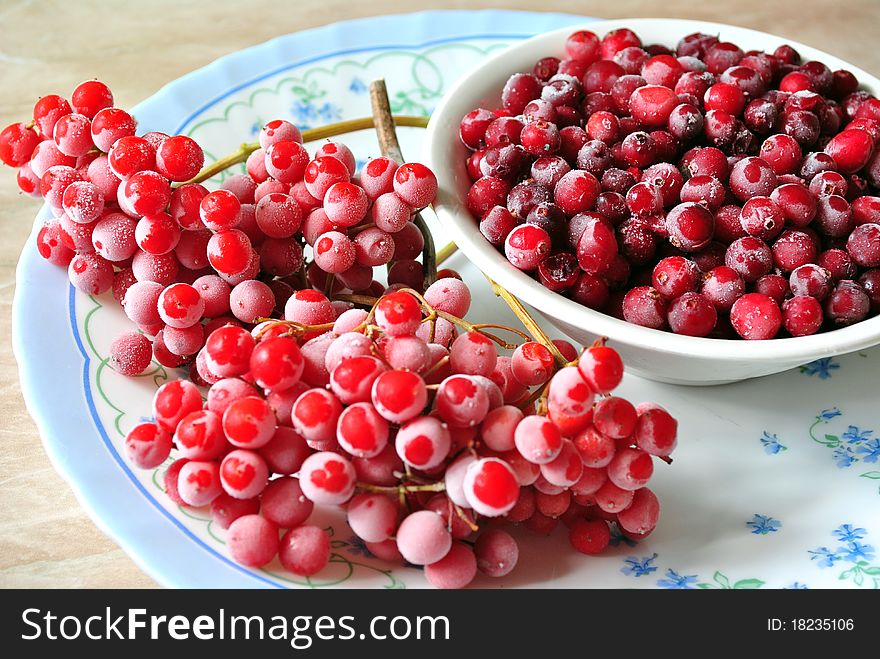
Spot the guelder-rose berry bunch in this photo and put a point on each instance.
(183, 260)
(406, 415)
(706, 191)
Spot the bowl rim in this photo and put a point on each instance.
(453, 214)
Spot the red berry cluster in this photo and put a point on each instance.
(707, 191)
(422, 433)
(183, 261)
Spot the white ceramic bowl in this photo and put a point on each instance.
(651, 353)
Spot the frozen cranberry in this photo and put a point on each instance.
(643, 305)
(674, 276)
(503, 162)
(721, 56)
(810, 279)
(504, 130)
(863, 245)
(596, 247)
(472, 129)
(828, 183)
(708, 161)
(497, 224)
(639, 149)
(802, 125)
(798, 206)
(519, 89)
(762, 218)
(485, 194)
(816, 162)
(526, 246)
(559, 271)
(850, 149)
(866, 210)
(572, 139)
(594, 157)
(540, 138)
(720, 128)
(833, 216)
(752, 177)
(773, 286)
(692, 314)
(802, 315)
(685, 122)
(847, 304)
(695, 45)
(524, 196)
(722, 286)
(547, 170)
(690, 226)
(637, 243)
(576, 192)
(793, 249)
(705, 190)
(749, 257)
(590, 291)
(760, 116)
(644, 199)
(756, 317)
(546, 67)
(838, 263)
(612, 206)
(727, 225)
(870, 283)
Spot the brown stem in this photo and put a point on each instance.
(531, 325)
(384, 122)
(402, 489)
(445, 252)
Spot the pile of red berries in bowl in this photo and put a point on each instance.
(695, 185)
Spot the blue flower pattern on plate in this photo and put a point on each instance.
(639, 567)
(796, 585)
(763, 524)
(824, 556)
(771, 444)
(844, 457)
(676, 581)
(821, 367)
(357, 86)
(846, 533)
(871, 450)
(856, 551)
(855, 436)
(827, 415)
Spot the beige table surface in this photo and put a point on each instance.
(46, 539)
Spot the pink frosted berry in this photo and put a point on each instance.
(415, 184)
(147, 445)
(130, 353)
(243, 474)
(252, 540)
(90, 273)
(284, 504)
(250, 300)
(198, 482)
(180, 305)
(305, 550)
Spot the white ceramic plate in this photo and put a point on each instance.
(767, 473)
(659, 355)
